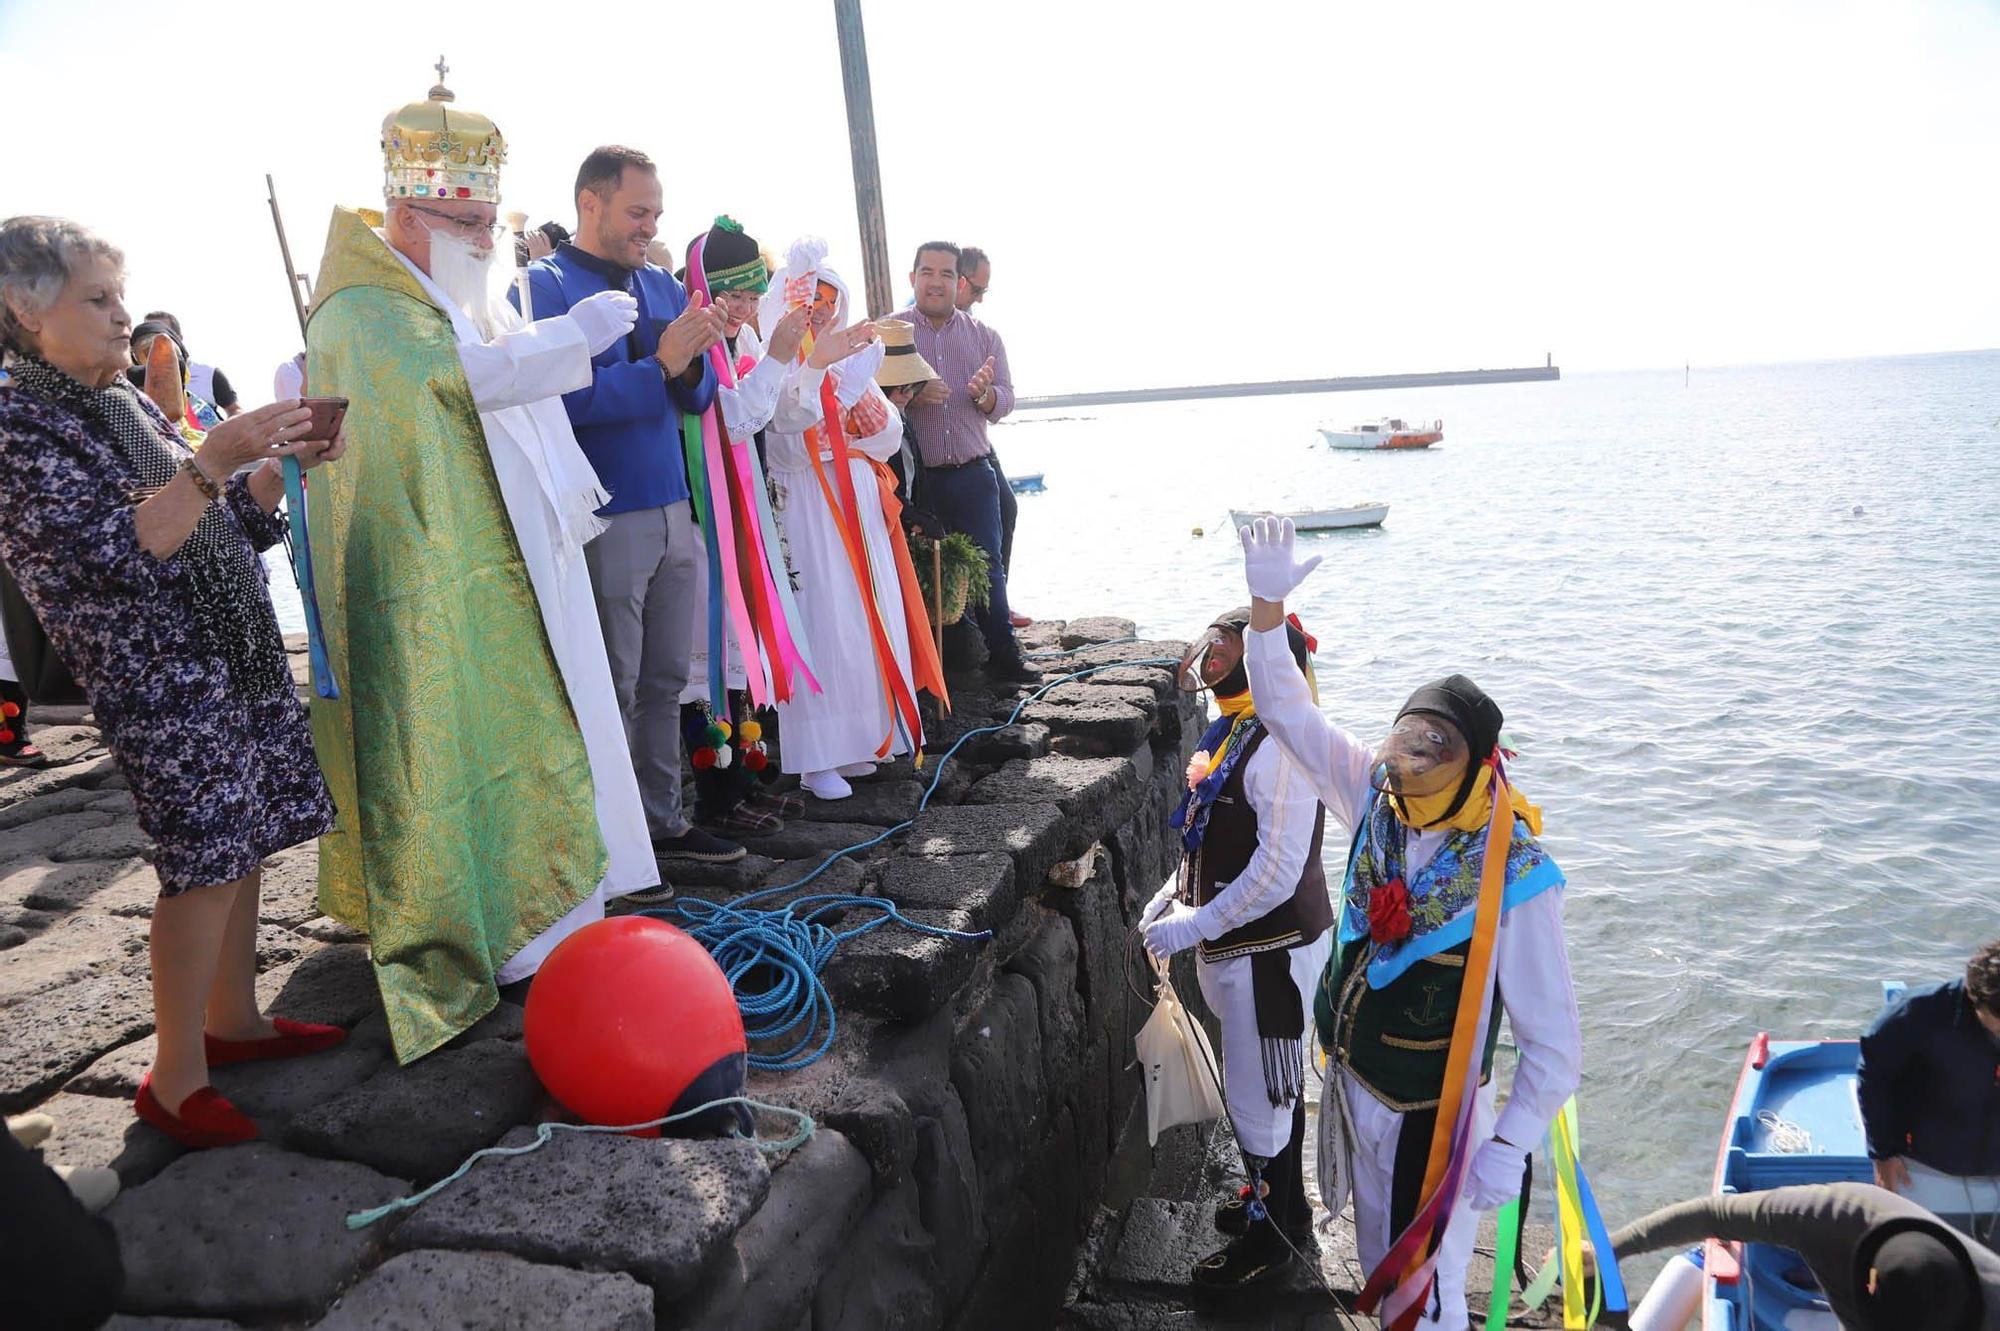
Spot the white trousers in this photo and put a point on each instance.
(1376, 1131)
(1262, 1128)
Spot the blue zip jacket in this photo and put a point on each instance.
(628, 419)
(1930, 1083)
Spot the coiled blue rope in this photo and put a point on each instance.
(774, 958)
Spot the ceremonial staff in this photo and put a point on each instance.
(295, 489)
(517, 222)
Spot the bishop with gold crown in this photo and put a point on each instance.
(487, 805)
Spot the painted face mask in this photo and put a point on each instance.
(1423, 756)
(1214, 661)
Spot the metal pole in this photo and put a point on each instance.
(861, 140)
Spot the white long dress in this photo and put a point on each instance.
(517, 380)
(850, 718)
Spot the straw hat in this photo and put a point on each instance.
(900, 362)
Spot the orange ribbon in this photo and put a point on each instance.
(846, 516)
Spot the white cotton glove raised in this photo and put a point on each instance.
(1495, 1176)
(1270, 566)
(604, 318)
(1158, 905)
(1175, 931)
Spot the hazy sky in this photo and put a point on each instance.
(1173, 193)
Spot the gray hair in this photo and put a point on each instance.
(37, 256)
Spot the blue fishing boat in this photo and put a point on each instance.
(1030, 484)
(1795, 1118)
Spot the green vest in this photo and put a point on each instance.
(1397, 1040)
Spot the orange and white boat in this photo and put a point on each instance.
(1389, 432)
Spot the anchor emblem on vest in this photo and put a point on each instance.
(1430, 1016)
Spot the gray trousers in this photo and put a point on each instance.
(642, 570)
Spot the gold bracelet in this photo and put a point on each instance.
(192, 469)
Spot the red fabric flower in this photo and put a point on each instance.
(1389, 912)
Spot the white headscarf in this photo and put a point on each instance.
(793, 285)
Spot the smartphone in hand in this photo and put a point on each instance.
(327, 413)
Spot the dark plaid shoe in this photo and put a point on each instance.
(746, 819)
(770, 801)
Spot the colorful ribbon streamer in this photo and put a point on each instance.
(324, 683)
(1507, 1247)
(1403, 1281)
(840, 500)
(749, 593)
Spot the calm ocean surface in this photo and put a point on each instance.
(1744, 633)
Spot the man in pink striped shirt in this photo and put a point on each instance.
(950, 417)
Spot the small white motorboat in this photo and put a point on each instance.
(1320, 519)
(1389, 432)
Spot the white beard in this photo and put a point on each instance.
(472, 278)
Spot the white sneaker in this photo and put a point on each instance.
(93, 1185)
(31, 1130)
(827, 785)
(852, 770)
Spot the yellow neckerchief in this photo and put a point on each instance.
(1242, 705)
(1421, 813)
(1236, 709)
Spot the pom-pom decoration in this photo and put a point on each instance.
(10, 710)
(723, 758)
(703, 759)
(6, 736)
(755, 760)
(717, 734)
(749, 732)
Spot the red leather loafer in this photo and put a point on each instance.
(206, 1120)
(293, 1039)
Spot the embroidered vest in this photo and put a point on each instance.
(1230, 841)
(1396, 1040)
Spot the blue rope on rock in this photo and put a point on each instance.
(774, 958)
(544, 1132)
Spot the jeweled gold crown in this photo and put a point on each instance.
(433, 150)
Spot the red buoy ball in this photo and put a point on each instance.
(630, 1019)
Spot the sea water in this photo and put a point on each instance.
(1743, 627)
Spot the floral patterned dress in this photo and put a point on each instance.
(222, 769)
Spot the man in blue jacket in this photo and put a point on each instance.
(1930, 1096)
(642, 569)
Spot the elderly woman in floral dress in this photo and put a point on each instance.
(140, 558)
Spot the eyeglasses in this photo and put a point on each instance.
(465, 226)
(977, 290)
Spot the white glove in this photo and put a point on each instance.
(1495, 1176)
(1158, 905)
(1269, 565)
(1175, 931)
(604, 318)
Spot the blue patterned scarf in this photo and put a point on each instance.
(1442, 893)
(1235, 733)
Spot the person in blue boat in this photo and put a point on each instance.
(1929, 1084)
(1420, 808)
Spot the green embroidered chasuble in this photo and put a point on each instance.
(467, 823)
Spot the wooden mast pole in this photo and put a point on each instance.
(861, 140)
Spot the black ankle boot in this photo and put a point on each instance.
(1249, 1259)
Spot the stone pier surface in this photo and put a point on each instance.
(979, 1160)
(967, 1113)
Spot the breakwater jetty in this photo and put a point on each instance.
(979, 1159)
(1280, 387)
